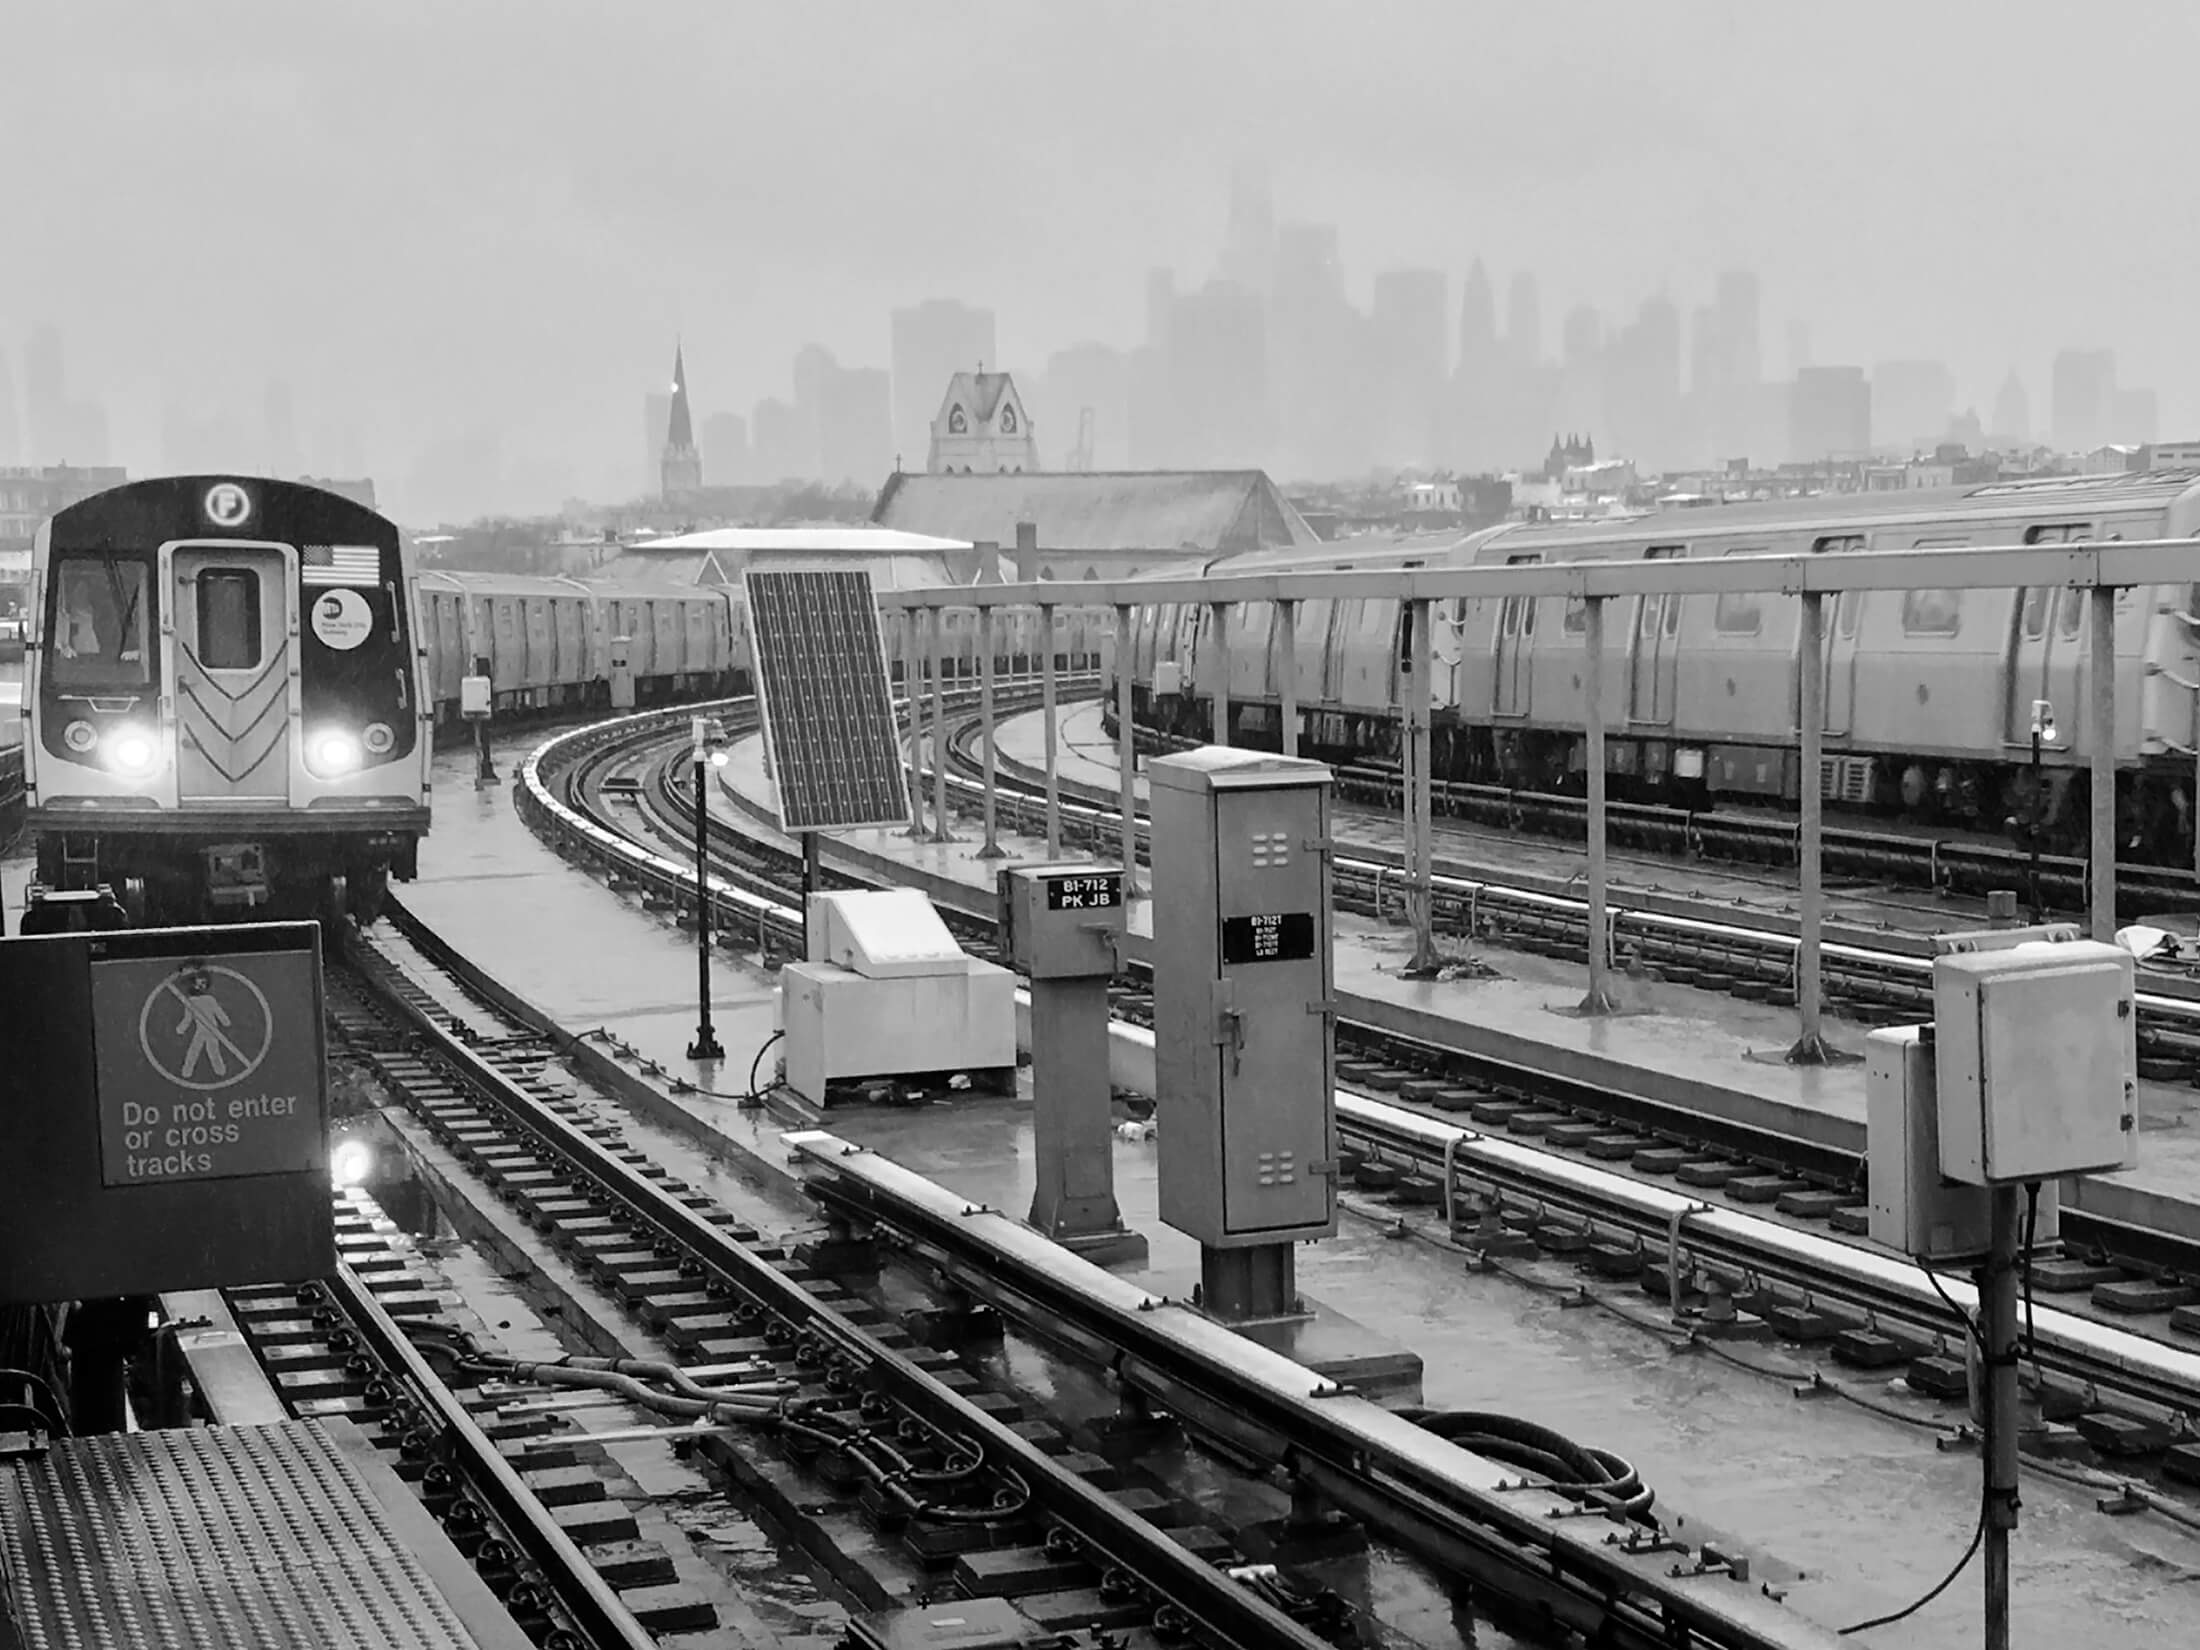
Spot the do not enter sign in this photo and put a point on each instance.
(208, 1069)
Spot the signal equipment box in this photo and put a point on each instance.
(1243, 1026)
(1914, 1209)
(163, 1112)
(1062, 921)
(887, 992)
(2036, 1061)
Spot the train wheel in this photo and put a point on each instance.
(368, 894)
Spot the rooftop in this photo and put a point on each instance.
(1201, 511)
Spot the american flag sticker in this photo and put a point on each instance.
(340, 564)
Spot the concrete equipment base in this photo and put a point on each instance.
(1321, 1338)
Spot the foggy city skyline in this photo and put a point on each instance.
(394, 242)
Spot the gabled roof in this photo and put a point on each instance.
(1208, 511)
(980, 391)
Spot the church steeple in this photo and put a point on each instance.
(682, 468)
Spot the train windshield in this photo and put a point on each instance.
(98, 639)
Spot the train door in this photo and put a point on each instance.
(1515, 647)
(1654, 664)
(1837, 646)
(229, 674)
(2046, 638)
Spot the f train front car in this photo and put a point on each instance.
(1928, 694)
(225, 701)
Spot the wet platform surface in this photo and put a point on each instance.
(1866, 1505)
(1700, 1051)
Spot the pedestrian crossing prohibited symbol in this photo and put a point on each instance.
(206, 1027)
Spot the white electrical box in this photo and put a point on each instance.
(1915, 1210)
(888, 993)
(2036, 1061)
(473, 695)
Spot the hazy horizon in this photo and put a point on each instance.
(475, 229)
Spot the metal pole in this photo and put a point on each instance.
(1420, 804)
(1998, 1329)
(1219, 627)
(2038, 825)
(1287, 626)
(1126, 751)
(911, 689)
(992, 848)
(942, 821)
(1053, 731)
(705, 1046)
(2102, 736)
(1600, 999)
(813, 873)
(1810, 1048)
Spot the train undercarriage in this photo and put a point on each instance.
(2052, 806)
(173, 879)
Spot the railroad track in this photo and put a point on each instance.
(2110, 1372)
(1951, 863)
(907, 1470)
(1874, 975)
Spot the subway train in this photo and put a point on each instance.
(223, 702)
(232, 687)
(1929, 694)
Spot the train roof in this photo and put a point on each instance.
(805, 541)
(472, 583)
(2012, 501)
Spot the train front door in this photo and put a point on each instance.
(1654, 660)
(229, 674)
(1515, 647)
(2046, 640)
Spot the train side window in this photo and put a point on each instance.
(1931, 612)
(1837, 544)
(1739, 612)
(229, 618)
(1576, 619)
(2035, 612)
(2070, 619)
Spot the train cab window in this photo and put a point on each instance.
(1835, 544)
(228, 603)
(99, 623)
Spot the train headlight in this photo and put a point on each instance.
(378, 738)
(131, 750)
(80, 736)
(332, 754)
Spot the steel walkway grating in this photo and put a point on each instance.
(258, 1538)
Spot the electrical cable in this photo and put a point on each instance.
(1978, 1535)
(755, 1098)
(1578, 1471)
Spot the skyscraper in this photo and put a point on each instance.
(1407, 323)
(931, 343)
(2081, 399)
(2012, 424)
(1310, 327)
(856, 425)
(1831, 414)
(1218, 379)
(1249, 239)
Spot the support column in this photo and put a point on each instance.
(912, 653)
(1600, 999)
(1218, 630)
(1287, 625)
(942, 821)
(1053, 732)
(992, 848)
(1420, 813)
(1072, 1126)
(1998, 1329)
(1126, 752)
(2101, 748)
(1811, 1048)
(1249, 1284)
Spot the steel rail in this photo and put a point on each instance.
(579, 1590)
(1217, 1605)
(1427, 1493)
(1890, 1287)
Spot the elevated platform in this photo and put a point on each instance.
(286, 1537)
(1701, 1052)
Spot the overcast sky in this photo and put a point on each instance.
(448, 218)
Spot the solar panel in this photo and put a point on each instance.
(828, 711)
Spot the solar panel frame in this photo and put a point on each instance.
(826, 700)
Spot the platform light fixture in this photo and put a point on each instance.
(710, 752)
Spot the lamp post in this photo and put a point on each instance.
(710, 752)
(2043, 732)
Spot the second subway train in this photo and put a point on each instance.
(1929, 695)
